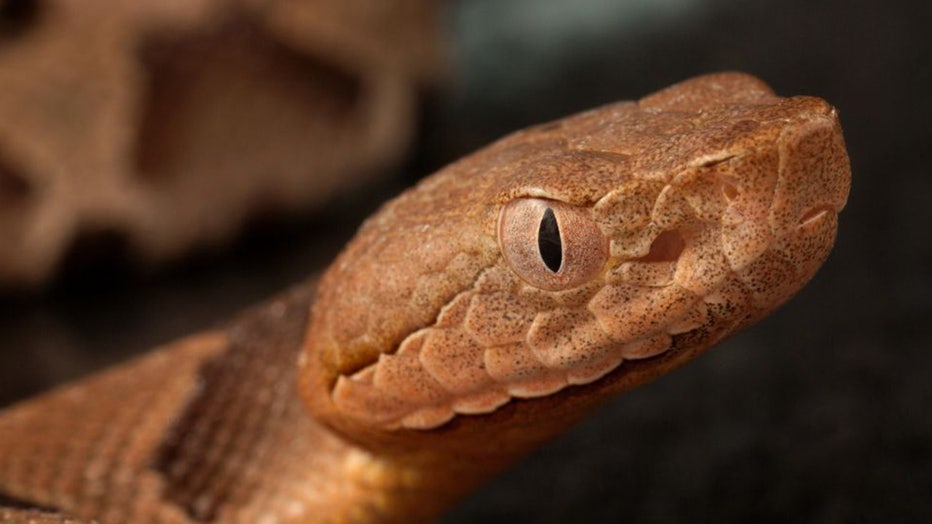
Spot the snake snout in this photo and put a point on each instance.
(815, 174)
(775, 249)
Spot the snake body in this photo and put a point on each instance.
(470, 319)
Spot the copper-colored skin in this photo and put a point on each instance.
(439, 347)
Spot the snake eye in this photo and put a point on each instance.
(549, 244)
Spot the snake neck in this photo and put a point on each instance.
(245, 435)
(211, 429)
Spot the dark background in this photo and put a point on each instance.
(821, 413)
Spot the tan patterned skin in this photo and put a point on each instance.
(435, 351)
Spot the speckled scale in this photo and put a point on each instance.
(703, 266)
(771, 279)
(454, 359)
(634, 245)
(592, 371)
(694, 318)
(403, 376)
(744, 239)
(629, 312)
(498, 318)
(649, 274)
(364, 399)
(513, 363)
(811, 244)
(671, 209)
(627, 209)
(481, 402)
(702, 190)
(646, 347)
(565, 338)
(752, 177)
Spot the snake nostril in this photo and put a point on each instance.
(814, 214)
(667, 247)
(729, 191)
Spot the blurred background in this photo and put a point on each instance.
(191, 158)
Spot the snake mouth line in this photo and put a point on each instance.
(489, 398)
(395, 348)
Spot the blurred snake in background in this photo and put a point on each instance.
(472, 318)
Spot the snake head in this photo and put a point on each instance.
(567, 262)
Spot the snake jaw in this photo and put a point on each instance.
(730, 220)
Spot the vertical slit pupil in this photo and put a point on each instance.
(548, 241)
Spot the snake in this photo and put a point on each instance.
(469, 320)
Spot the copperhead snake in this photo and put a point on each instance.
(470, 319)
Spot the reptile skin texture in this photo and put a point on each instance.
(443, 344)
